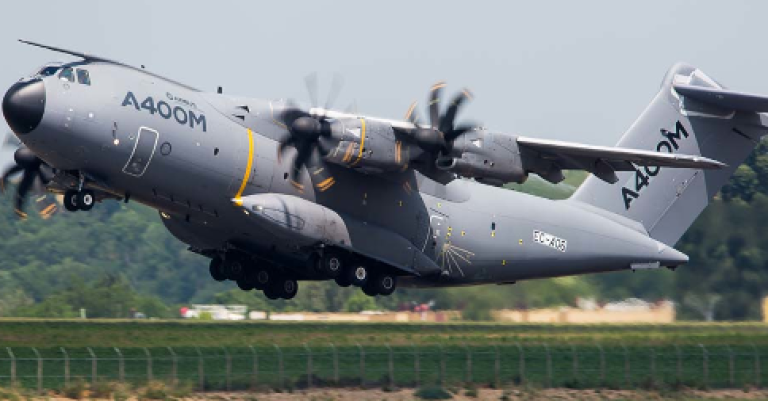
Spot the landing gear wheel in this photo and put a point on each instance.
(216, 271)
(85, 200)
(244, 283)
(288, 288)
(261, 279)
(343, 281)
(233, 269)
(385, 284)
(370, 290)
(271, 293)
(357, 275)
(70, 201)
(331, 264)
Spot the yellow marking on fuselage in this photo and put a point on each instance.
(238, 200)
(362, 142)
(326, 184)
(348, 153)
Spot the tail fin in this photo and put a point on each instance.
(692, 114)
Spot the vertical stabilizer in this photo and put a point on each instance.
(691, 114)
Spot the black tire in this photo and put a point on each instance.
(216, 271)
(370, 289)
(70, 201)
(244, 283)
(85, 200)
(357, 275)
(385, 284)
(233, 269)
(271, 293)
(288, 288)
(261, 278)
(331, 264)
(343, 281)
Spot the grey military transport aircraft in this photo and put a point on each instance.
(274, 193)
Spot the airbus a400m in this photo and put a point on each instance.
(274, 193)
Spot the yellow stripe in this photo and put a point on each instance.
(238, 201)
(362, 142)
(348, 153)
(327, 183)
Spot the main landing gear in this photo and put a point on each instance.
(347, 271)
(250, 276)
(79, 200)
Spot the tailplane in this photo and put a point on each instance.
(691, 114)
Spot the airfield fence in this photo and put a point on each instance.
(275, 367)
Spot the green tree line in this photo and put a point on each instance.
(119, 258)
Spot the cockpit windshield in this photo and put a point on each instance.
(48, 71)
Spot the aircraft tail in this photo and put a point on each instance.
(691, 114)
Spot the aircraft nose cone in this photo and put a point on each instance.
(24, 105)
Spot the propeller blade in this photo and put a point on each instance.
(27, 180)
(333, 93)
(15, 169)
(285, 142)
(310, 81)
(45, 172)
(411, 115)
(319, 173)
(457, 132)
(304, 149)
(434, 104)
(351, 108)
(447, 122)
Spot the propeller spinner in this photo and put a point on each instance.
(439, 136)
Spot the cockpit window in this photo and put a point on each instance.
(48, 71)
(67, 75)
(83, 77)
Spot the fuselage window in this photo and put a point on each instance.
(48, 71)
(83, 77)
(67, 75)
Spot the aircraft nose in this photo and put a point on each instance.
(24, 105)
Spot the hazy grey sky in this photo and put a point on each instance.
(569, 70)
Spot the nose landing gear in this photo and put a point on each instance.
(79, 200)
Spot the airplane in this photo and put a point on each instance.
(275, 193)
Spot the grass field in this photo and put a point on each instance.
(133, 333)
(239, 355)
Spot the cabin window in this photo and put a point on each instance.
(67, 74)
(493, 226)
(83, 77)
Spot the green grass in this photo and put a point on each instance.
(240, 355)
(132, 333)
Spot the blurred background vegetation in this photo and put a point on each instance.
(119, 258)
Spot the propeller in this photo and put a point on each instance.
(35, 174)
(310, 135)
(439, 136)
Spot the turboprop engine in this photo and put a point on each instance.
(493, 159)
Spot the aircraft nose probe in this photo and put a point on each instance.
(24, 105)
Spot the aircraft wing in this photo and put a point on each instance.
(548, 157)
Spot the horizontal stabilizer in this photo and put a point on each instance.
(725, 99)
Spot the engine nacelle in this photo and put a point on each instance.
(493, 159)
(370, 146)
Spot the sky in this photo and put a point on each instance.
(568, 70)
